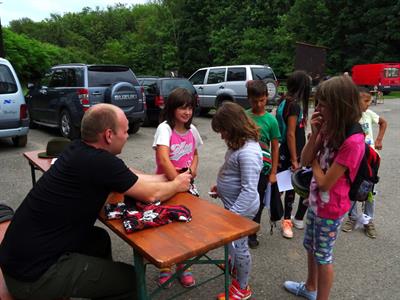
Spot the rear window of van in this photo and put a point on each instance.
(7, 81)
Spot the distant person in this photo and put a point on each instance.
(292, 114)
(176, 142)
(368, 119)
(334, 158)
(237, 185)
(257, 93)
(52, 248)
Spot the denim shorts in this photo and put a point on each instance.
(320, 236)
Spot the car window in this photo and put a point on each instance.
(150, 86)
(74, 77)
(7, 81)
(107, 75)
(216, 75)
(198, 77)
(236, 74)
(58, 79)
(168, 86)
(262, 73)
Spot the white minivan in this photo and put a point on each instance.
(14, 119)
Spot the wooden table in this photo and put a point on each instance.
(211, 227)
(36, 163)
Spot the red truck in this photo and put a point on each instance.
(385, 76)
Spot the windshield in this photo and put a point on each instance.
(169, 85)
(107, 75)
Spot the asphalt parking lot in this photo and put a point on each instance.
(365, 268)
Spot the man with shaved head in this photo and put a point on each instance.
(52, 248)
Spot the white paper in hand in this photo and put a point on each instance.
(284, 180)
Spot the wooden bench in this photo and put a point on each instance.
(4, 294)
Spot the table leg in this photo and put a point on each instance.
(227, 267)
(33, 174)
(140, 276)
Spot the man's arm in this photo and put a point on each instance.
(275, 160)
(149, 177)
(147, 190)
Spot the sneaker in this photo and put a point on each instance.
(298, 224)
(164, 275)
(370, 230)
(253, 243)
(236, 293)
(348, 225)
(186, 278)
(287, 231)
(299, 289)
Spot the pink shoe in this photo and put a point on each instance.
(186, 278)
(164, 276)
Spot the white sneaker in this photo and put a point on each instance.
(286, 226)
(298, 224)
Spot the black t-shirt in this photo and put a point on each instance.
(293, 109)
(60, 210)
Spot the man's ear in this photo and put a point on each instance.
(108, 133)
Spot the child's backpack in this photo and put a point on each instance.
(361, 189)
(281, 115)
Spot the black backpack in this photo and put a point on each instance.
(367, 175)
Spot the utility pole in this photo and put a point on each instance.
(2, 50)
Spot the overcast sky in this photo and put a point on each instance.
(38, 10)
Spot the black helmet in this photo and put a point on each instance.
(301, 179)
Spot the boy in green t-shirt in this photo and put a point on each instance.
(269, 141)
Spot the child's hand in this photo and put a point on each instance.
(316, 122)
(378, 144)
(213, 193)
(272, 178)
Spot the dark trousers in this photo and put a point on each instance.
(289, 201)
(88, 273)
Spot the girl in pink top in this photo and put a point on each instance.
(331, 154)
(176, 142)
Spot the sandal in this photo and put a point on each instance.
(186, 278)
(163, 277)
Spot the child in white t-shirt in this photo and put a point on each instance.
(367, 120)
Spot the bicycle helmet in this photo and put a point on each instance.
(301, 179)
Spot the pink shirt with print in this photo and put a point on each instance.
(182, 146)
(334, 203)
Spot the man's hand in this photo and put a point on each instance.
(183, 181)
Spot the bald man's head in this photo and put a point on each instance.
(97, 119)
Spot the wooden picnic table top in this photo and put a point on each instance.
(211, 227)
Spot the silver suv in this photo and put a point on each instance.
(14, 120)
(215, 85)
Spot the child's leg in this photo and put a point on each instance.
(353, 211)
(289, 200)
(326, 231)
(308, 243)
(242, 261)
(369, 208)
(301, 210)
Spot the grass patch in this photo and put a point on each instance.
(392, 95)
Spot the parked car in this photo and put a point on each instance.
(215, 85)
(157, 90)
(67, 91)
(14, 119)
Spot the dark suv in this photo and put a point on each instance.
(157, 90)
(67, 91)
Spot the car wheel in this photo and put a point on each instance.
(67, 129)
(134, 127)
(20, 141)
